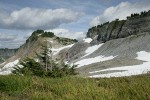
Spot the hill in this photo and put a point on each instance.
(113, 49)
(34, 45)
(116, 49)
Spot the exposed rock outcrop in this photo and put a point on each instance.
(6, 53)
(119, 29)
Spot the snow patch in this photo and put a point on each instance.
(88, 40)
(142, 55)
(92, 49)
(130, 70)
(7, 69)
(39, 34)
(50, 41)
(92, 60)
(56, 51)
(11, 64)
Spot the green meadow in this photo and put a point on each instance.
(74, 88)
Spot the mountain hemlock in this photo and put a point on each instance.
(66, 41)
(45, 67)
(48, 34)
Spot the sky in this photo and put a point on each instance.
(66, 18)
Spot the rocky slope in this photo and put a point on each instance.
(6, 53)
(120, 28)
(36, 41)
(115, 53)
(115, 49)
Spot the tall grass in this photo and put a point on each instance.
(74, 88)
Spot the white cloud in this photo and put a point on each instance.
(14, 41)
(7, 37)
(121, 11)
(35, 18)
(10, 40)
(68, 34)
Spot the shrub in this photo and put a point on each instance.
(39, 31)
(48, 34)
(31, 67)
(66, 41)
(45, 67)
(34, 35)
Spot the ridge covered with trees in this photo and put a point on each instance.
(139, 15)
(132, 16)
(41, 33)
(135, 24)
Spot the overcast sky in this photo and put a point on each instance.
(68, 18)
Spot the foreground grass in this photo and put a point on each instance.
(73, 88)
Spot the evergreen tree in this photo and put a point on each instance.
(30, 67)
(45, 65)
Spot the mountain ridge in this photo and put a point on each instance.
(110, 49)
(35, 42)
(135, 24)
(6, 53)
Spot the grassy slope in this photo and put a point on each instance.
(73, 88)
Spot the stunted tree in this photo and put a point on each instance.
(45, 66)
(45, 57)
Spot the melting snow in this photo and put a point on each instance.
(88, 40)
(131, 70)
(55, 51)
(88, 61)
(91, 49)
(92, 60)
(8, 67)
(39, 34)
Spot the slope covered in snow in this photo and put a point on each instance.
(92, 60)
(7, 69)
(57, 50)
(130, 70)
(91, 49)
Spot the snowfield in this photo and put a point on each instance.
(130, 70)
(89, 51)
(92, 49)
(7, 69)
(88, 40)
(92, 60)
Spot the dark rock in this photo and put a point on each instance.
(119, 29)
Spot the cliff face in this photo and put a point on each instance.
(6, 53)
(119, 29)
